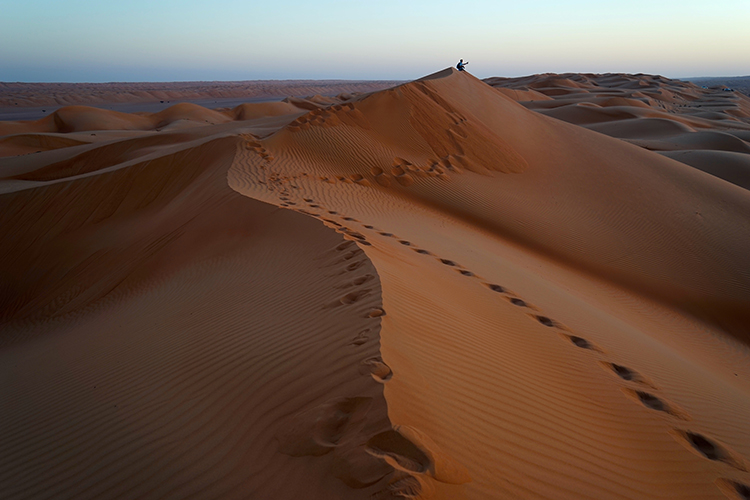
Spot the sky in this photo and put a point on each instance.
(223, 40)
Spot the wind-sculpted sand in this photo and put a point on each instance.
(429, 291)
(695, 125)
(17, 94)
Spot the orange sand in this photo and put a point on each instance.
(431, 291)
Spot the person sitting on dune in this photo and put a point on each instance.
(461, 65)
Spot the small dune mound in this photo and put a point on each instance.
(583, 114)
(187, 111)
(31, 143)
(85, 118)
(641, 128)
(256, 110)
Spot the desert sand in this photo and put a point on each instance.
(38, 94)
(532, 288)
(31, 101)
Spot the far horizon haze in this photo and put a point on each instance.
(195, 40)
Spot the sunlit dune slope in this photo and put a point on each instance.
(601, 205)
(545, 293)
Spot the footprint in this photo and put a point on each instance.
(448, 262)
(581, 342)
(392, 444)
(655, 403)
(376, 313)
(375, 366)
(413, 453)
(733, 490)
(344, 245)
(361, 338)
(308, 200)
(358, 469)
(353, 297)
(359, 179)
(545, 321)
(709, 448)
(318, 430)
(332, 212)
(518, 302)
(351, 255)
(626, 373)
(496, 288)
(363, 279)
(355, 265)
(404, 487)
(339, 417)
(388, 235)
(367, 226)
(422, 251)
(354, 234)
(404, 242)
(405, 180)
(465, 272)
(383, 180)
(351, 219)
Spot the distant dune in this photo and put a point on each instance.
(736, 83)
(533, 288)
(45, 94)
(658, 114)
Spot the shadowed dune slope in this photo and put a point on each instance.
(164, 336)
(730, 166)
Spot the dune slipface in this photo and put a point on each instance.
(429, 291)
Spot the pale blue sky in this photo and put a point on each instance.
(173, 40)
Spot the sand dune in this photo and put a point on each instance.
(17, 94)
(730, 166)
(87, 119)
(431, 291)
(649, 111)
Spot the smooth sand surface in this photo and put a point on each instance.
(441, 290)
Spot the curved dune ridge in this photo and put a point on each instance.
(439, 290)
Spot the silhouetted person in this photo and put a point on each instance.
(461, 65)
